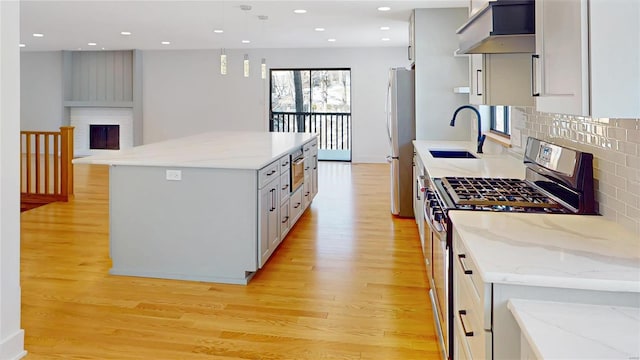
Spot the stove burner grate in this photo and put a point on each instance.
(496, 192)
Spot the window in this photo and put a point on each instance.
(500, 120)
(317, 101)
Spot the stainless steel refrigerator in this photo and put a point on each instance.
(401, 128)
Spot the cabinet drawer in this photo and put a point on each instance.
(295, 206)
(469, 329)
(470, 278)
(284, 219)
(285, 186)
(285, 164)
(268, 173)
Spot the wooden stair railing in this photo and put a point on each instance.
(46, 171)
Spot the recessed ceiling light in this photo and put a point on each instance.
(331, 40)
(319, 29)
(384, 28)
(385, 39)
(38, 35)
(125, 33)
(92, 44)
(166, 43)
(384, 8)
(22, 45)
(300, 11)
(218, 31)
(103, 49)
(246, 41)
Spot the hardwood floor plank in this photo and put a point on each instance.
(347, 283)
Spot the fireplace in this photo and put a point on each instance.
(100, 130)
(104, 137)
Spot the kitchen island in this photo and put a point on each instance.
(210, 207)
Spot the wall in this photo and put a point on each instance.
(437, 73)
(11, 336)
(615, 144)
(41, 91)
(184, 93)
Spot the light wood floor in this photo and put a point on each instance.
(347, 283)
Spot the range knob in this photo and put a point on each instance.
(430, 195)
(433, 203)
(438, 215)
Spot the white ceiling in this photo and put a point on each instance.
(71, 25)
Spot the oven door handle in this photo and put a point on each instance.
(298, 161)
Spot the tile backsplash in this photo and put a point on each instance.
(615, 145)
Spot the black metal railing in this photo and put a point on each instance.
(334, 128)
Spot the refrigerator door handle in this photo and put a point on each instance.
(387, 108)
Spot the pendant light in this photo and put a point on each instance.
(223, 62)
(223, 53)
(246, 65)
(245, 62)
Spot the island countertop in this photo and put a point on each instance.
(224, 150)
(557, 330)
(502, 165)
(551, 250)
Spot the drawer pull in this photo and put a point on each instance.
(271, 172)
(285, 187)
(286, 218)
(464, 268)
(464, 328)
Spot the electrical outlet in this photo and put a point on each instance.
(174, 175)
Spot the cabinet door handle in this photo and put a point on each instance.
(273, 199)
(478, 72)
(286, 218)
(464, 268)
(297, 205)
(409, 52)
(533, 74)
(464, 327)
(285, 187)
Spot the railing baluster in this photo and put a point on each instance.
(37, 152)
(28, 170)
(56, 164)
(46, 164)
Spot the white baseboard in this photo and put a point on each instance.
(12, 348)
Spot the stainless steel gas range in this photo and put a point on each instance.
(558, 180)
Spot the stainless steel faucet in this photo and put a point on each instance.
(481, 137)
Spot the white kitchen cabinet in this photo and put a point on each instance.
(269, 219)
(295, 205)
(285, 185)
(314, 173)
(418, 198)
(487, 328)
(588, 58)
(501, 79)
(412, 38)
(285, 223)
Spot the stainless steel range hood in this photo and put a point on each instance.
(501, 27)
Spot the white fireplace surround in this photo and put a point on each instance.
(82, 117)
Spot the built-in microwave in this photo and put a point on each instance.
(297, 169)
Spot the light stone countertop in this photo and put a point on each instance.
(552, 250)
(578, 331)
(503, 165)
(225, 150)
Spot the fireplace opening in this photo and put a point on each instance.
(104, 137)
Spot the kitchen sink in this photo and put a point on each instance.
(452, 154)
